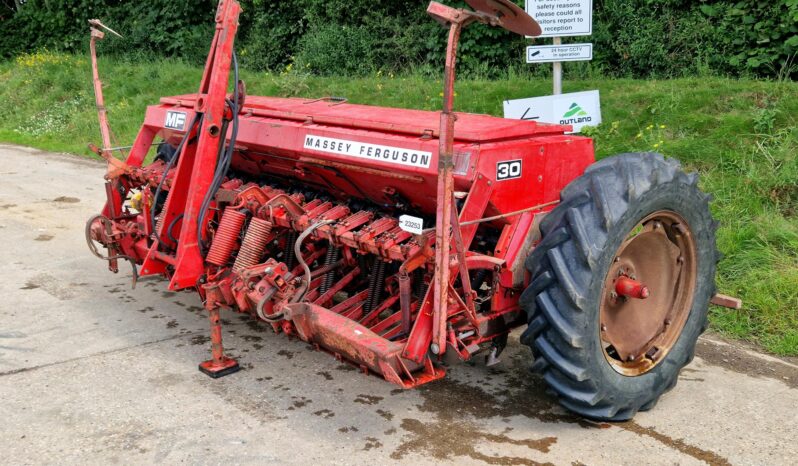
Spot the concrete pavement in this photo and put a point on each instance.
(94, 372)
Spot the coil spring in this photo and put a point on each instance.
(332, 257)
(226, 236)
(290, 258)
(420, 286)
(254, 244)
(159, 224)
(376, 283)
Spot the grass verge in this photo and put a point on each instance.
(740, 135)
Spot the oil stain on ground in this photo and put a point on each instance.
(457, 407)
(66, 200)
(677, 444)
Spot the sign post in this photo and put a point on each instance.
(557, 70)
(558, 19)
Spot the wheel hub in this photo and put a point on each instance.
(648, 293)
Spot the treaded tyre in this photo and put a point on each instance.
(621, 283)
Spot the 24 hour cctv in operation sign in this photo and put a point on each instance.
(560, 18)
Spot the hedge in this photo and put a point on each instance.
(633, 38)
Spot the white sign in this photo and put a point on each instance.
(578, 109)
(552, 53)
(175, 120)
(561, 18)
(390, 154)
(508, 170)
(411, 224)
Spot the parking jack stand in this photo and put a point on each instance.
(219, 365)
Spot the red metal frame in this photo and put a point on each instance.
(397, 301)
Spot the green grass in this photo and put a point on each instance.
(740, 135)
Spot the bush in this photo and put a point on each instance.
(633, 38)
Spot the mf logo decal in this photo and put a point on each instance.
(175, 120)
(508, 170)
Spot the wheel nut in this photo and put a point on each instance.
(603, 327)
(680, 260)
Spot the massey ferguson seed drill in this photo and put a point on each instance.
(392, 238)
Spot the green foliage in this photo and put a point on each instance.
(269, 33)
(633, 38)
(758, 37)
(165, 28)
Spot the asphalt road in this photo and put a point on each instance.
(94, 372)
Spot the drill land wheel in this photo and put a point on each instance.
(621, 283)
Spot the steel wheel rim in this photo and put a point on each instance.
(660, 253)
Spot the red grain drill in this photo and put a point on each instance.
(392, 238)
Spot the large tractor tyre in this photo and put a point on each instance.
(621, 283)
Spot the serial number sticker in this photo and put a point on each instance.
(175, 120)
(508, 170)
(390, 154)
(411, 224)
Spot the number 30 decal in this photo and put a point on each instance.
(508, 170)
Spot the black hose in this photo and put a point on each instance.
(171, 226)
(223, 162)
(168, 167)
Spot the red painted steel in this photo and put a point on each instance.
(630, 288)
(317, 188)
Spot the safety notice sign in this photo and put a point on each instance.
(552, 53)
(561, 18)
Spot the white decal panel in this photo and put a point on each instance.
(508, 170)
(410, 224)
(175, 120)
(362, 150)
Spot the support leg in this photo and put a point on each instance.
(220, 365)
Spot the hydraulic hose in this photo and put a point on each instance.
(225, 157)
(303, 289)
(168, 167)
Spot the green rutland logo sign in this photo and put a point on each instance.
(577, 109)
(575, 116)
